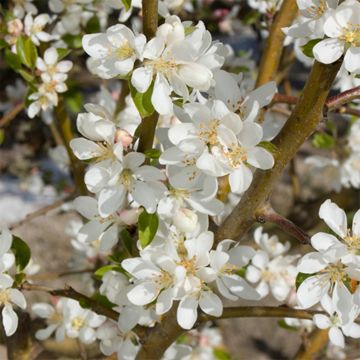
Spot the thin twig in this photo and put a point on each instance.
(315, 344)
(267, 214)
(335, 102)
(11, 114)
(56, 275)
(42, 211)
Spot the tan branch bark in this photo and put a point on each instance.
(11, 114)
(267, 214)
(316, 343)
(66, 132)
(300, 125)
(270, 59)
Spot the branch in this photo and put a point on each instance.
(300, 125)
(71, 293)
(267, 214)
(316, 343)
(345, 97)
(262, 311)
(11, 114)
(42, 211)
(270, 59)
(65, 127)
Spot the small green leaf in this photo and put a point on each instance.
(93, 25)
(282, 323)
(19, 278)
(62, 53)
(127, 4)
(127, 240)
(307, 49)
(21, 251)
(323, 141)
(74, 41)
(85, 303)
(103, 300)
(153, 153)
(300, 278)
(12, 60)
(99, 273)
(143, 100)
(3, 43)
(267, 145)
(26, 75)
(148, 225)
(221, 354)
(2, 136)
(27, 51)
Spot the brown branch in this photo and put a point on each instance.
(66, 132)
(300, 125)
(345, 97)
(42, 211)
(11, 114)
(261, 311)
(270, 59)
(316, 343)
(121, 102)
(148, 124)
(71, 293)
(267, 214)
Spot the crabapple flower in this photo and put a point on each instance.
(314, 15)
(8, 298)
(54, 318)
(102, 230)
(174, 62)
(113, 53)
(343, 30)
(52, 69)
(7, 259)
(34, 28)
(22, 7)
(81, 323)
(342, 313)
(270, 244)
(276, 276)
(227, 261)
(335, 261)
(128, 177)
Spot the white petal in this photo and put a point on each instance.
(328, 51)
(240, 179)
(187, 312)
(143, 294)
(10, 320)
(352, 60)
(210, 303)
(141, 78)
(260, 158)
(334, 217)
(322, 321)
(311, 290)
(323, 241)
(337, 337)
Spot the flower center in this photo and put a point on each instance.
(77, 323)
(316, 11)
(127, 179)
(236, 155)
(352, 241)
(180, 194)
(335, 273)
(164, 280)
(163, 66)
(125, 51)
(189, 265)
(4, 297)
(208, 132)
(55, 318)
(351, 35)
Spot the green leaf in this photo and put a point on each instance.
(27, 51)
(26, 75)
(74, 41)
(93, 25)
(19, 278)
(221, 354)
(148, 225)
(99, 273)
(127, 240)
(3, 43)
(284, 325)
(21, 251)
(74, 100)
(267, 145)
(2, 136)
(103, 300)
(12, 60)
(307, 49)
(323, 141)
(143, 100)
(127, 4)
(300, 278)
(62, 53)
(153, 153)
